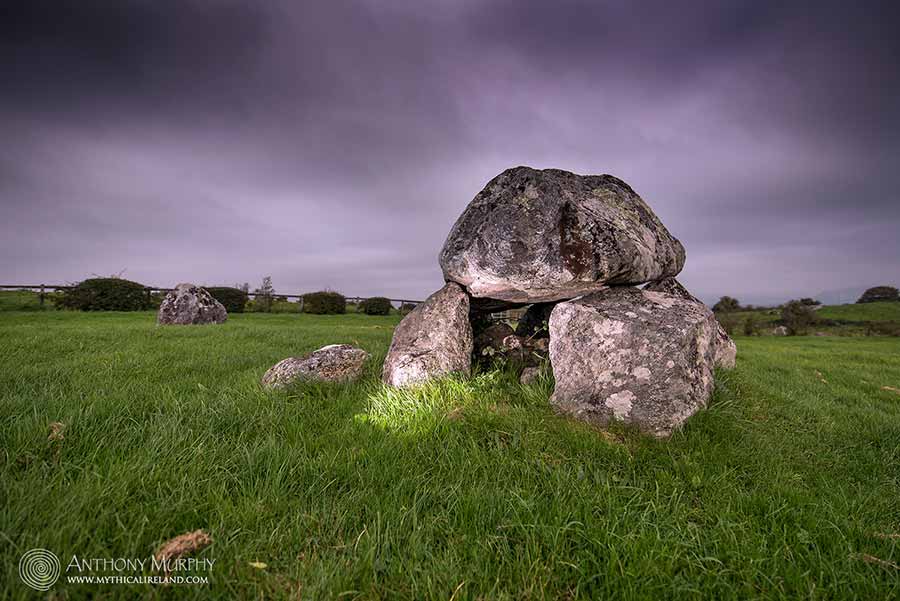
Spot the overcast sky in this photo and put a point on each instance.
(334, 143)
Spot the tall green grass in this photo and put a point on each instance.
(787, 487)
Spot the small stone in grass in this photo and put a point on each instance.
(181, 545)
(56, 432)
(529, 375)
(332, 363)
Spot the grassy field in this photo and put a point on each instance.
(835, 320)
(883, 311)
(788, 487)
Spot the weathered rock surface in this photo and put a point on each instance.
(332, 363)
(639, 357)
(189, 304)
(726, 350)
(534, 322)
(779, 331)
(544, 235)
(433, 340)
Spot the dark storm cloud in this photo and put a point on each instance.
(333, 144)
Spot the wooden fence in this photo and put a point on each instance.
(42, 290)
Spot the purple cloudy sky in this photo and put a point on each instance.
(333, 144)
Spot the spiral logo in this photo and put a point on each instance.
(39, 569)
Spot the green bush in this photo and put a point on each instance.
(377, 305)
(879, 293)
(406, 308)
(324, 302)
(727, 304)
(751, 326)
(106, 294)
(797, 317)
(234, 299)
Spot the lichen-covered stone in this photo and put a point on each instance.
(433, 340)
(545, 235)
(189, 304)
(639, 357)
(332, 363)
(726, 350)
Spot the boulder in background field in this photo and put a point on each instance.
(189, 304)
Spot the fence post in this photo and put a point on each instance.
(301, 303)
(42, 295)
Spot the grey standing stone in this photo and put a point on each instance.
(726, 349)
(189, 304)
(332, 363)
(639, 357)
(544, 235)
(433, 340)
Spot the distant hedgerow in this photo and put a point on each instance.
(233, 299)
(377, 305)
(324, 302)
(882, 328)
(105, 294)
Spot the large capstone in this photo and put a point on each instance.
(726, 350)
(639, 357)
(189, 304)
(435, 339)
(332, 363)
(543, 235)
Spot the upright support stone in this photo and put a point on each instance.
(639, 357)
(433, 340)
